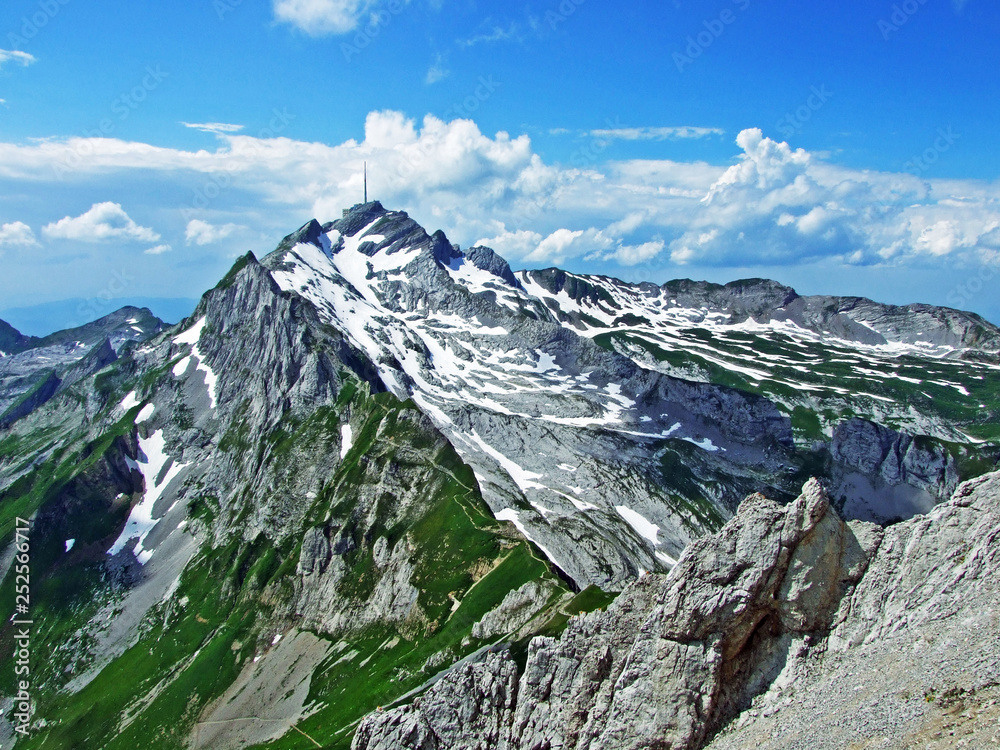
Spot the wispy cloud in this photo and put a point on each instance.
(214, 127)
(17, 56)
(655, 134)
(493, 33)
(158, 250)
(104, 221)
(438, 71)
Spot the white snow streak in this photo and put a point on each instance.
(346, 440)
(140, 521)
(191, 337)
(640, 523)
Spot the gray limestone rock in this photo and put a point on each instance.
(514, 612)
(472, 707)
(882, 475)
(753, 623)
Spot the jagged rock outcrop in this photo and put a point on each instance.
(912, 659)
(766, 610)
(882, 475)
(12, 340)
(472, 710)
(487, 260)
(40, 391)
(514, 612)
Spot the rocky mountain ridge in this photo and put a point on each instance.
(521, 397)
(33, 369)
(917, 368)
(937, 330)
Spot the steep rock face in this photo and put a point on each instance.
(749, 612)
(12, 340)
(40, 391)
(485, 259)
(251, 364)
(882, 475)
(514, 612)
(913, 657)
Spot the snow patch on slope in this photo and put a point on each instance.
(346, 440)
(191, 337)
(141, 522)
(643, 526)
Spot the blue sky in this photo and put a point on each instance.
(842, 148)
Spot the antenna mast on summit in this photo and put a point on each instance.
(366, 182)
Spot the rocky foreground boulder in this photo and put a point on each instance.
(788, 629)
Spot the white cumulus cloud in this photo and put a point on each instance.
(17, 234)
(200, 232)
(319, 17)
(104, 221)
(779, 205)
(158, 250)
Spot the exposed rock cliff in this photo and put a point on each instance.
(788, 626)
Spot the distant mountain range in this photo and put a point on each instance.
(369, 457)
(49, 317)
